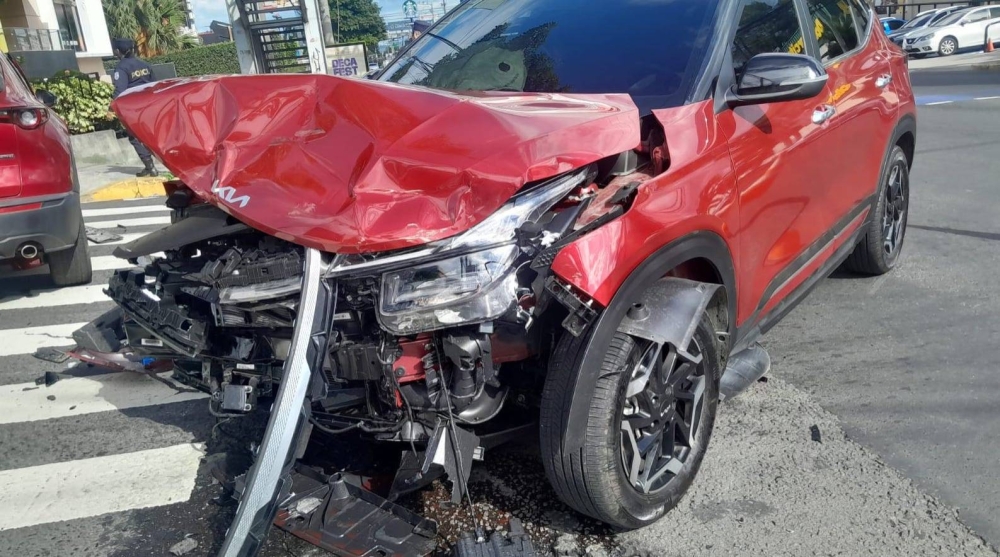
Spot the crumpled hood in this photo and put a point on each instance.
(348, 166)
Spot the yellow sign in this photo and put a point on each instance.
(799, 46)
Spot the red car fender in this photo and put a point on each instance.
(696, 194)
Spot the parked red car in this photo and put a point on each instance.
(40, 218)
(540, 217)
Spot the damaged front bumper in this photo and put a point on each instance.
(269, 480)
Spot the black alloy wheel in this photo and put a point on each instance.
(877, 252)
(894, 213)
(661, 413)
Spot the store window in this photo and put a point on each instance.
(69, 25)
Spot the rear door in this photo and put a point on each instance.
(860, 81)
(10, 170)
(972, 30)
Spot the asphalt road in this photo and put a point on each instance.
(909, 362)
(109, 465)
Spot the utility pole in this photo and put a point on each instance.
(312, 22)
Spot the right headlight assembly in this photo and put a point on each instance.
(469, 278)
(469, 288)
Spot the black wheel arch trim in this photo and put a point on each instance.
(697, 245)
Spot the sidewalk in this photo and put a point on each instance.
(975, 60)
(107, 165)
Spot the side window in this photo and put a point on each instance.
(994, 12)
(834, 25)
(862, 14)
(766, 26)
(978, 15)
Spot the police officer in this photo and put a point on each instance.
(133, 72)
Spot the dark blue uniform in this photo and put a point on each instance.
(133, 72)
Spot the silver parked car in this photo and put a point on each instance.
(962, 29)
(920, 23)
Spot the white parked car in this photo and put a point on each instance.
(962, 29)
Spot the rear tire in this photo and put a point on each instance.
(595, 480)
(872, 255)
(72, 266)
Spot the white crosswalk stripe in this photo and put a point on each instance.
(20, 403)
(57, 490)
(95, 486)
(129, 223)
(115, 211)
(89, 294)
(29, 339)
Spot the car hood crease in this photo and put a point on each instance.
(349, 166)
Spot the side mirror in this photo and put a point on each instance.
(771, 78)
(47, 98)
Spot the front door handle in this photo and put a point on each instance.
(883, 81)
(823, 113)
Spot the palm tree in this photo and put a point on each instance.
(154, 24)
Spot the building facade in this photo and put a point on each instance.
(52, 35)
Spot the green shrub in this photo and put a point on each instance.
(81, 102)
(203, 60)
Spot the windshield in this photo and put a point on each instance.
(651, 49)
(917, 22)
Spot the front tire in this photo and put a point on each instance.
(878, 251)
(947, 46)
(72, 267)
(649, 425)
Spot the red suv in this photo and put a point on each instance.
(569, 218)
(40, 218)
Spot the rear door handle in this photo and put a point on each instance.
(823, 113)
(883, 81)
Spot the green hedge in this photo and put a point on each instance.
(83, 103)
(203, 60)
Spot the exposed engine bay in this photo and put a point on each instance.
(440, 349)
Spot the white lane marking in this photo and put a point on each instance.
(143, 221)
(126, 238)
(127, 200)
(111, 263)
(114, 211)
(26, 402)
(986, 98)
(25, 341)
(62, 297)
(100, 263)
(939, 102)
(95, 486)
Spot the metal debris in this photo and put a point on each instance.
(53, 355)
(99, 236)
(184, 546)
(50, 378)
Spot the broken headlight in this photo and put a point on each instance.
(468, 288)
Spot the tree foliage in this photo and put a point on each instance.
(155, 25)
(358, 21)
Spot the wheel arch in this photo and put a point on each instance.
(701, 256)
(906, 137)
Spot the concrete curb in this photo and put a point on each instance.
(987, 66)
(134, 188)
